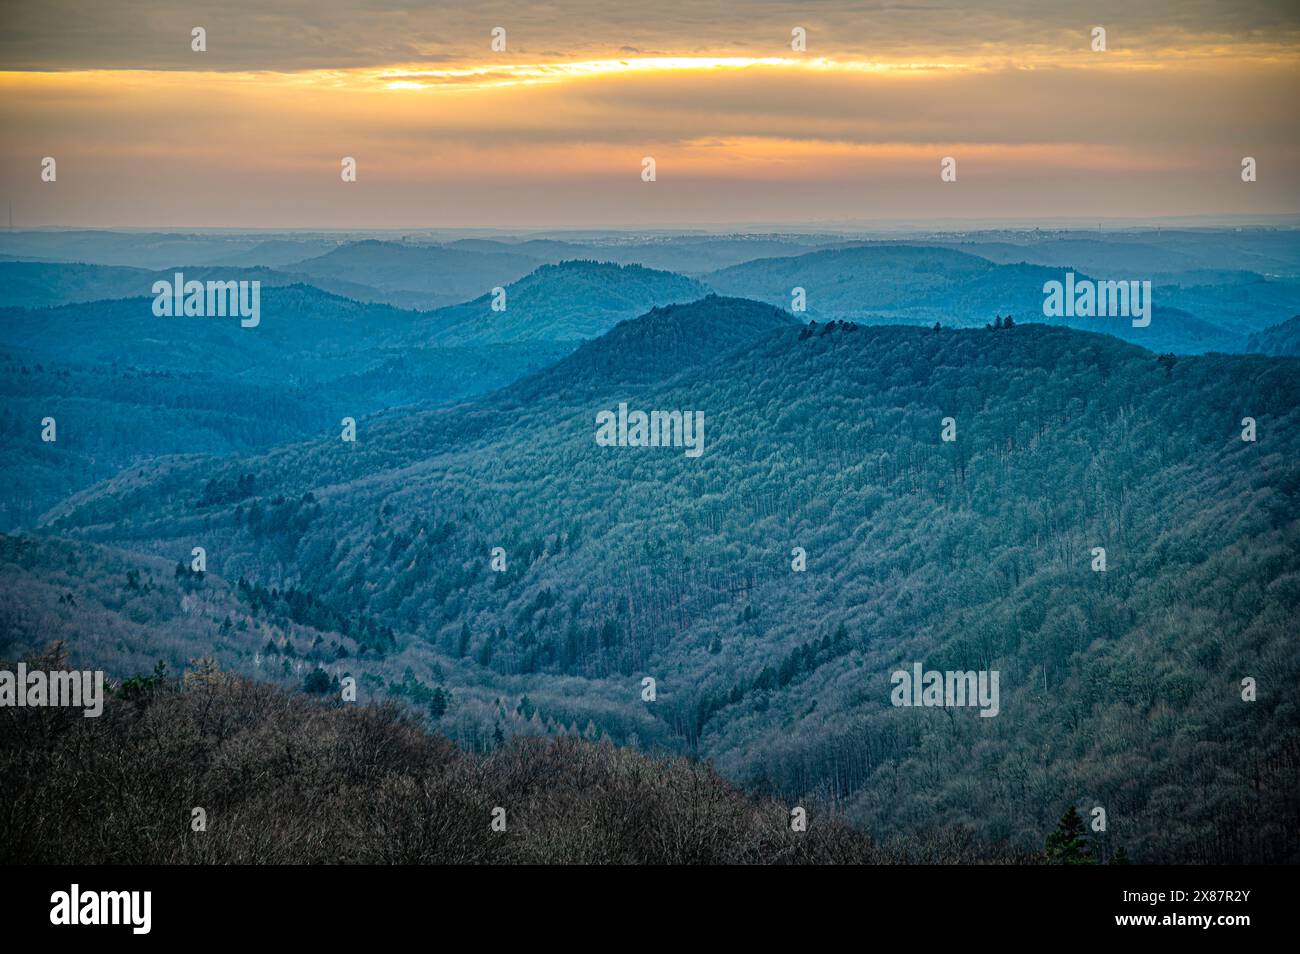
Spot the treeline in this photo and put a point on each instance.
(213, 769)
(300, 606)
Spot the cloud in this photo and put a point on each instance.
(743, 129)
(342, 34)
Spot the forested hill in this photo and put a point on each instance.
(303, 335)
(1280, 339)
(1118, 687)
(666, 341)
(570, 301)
(50, 284)
(416, 276)
(125, 385)
(330, 784)
(921, 285)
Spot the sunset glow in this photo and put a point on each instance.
(446, 131)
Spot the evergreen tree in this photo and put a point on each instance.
(438, 703)
(526, 707)
(317, 682)
(1066, 845)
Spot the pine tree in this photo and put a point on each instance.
(1066, 845)
(438, 703)
(317, 682)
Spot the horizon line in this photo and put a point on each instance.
(946, 223)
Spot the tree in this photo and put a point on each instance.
(1066, 845)
(203, 672)
(317, 682)
(140, 689)
(438, 703)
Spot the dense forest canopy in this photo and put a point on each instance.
(1119, 687)
(919, 471)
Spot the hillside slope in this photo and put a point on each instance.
(417, 276)
(915, 284)
(51, 284)
(626, 562)
(286, 780)
(571, 301)
(1281, 339)
(191, 385)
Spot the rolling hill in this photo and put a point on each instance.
(189, 385)
(692, 255)
(571, 301)
(51, 284)
(324, 784)
(628, 562)
(417, 276)
(1280, 339)
(1161, 254)
(913, 284)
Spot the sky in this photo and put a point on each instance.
(552, 131)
